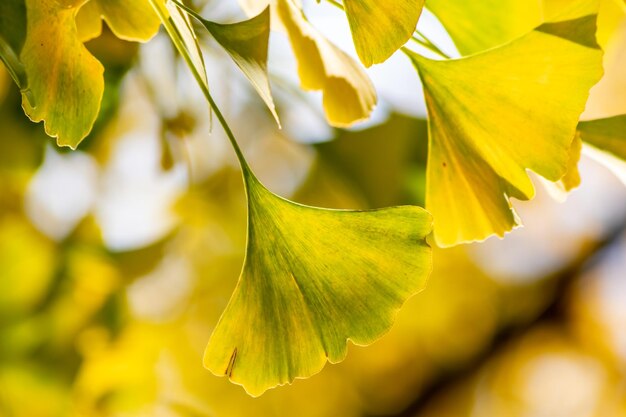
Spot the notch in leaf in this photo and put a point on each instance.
(65, 80)
(348, 94)
(247, 43)
(380, 28)
(496, 114)
(312, 279)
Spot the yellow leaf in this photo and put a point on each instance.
(65, 80)
(380, 28)
(480, 25)
(494, 115)
(348, 93)
(131, 20)
(312, 279)
(571, 180)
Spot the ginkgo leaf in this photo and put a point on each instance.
(131, 20)
(476, 26)
(247, 43)
(494, 115)
(380, 28)
(12, 37)
(312, 280)
(65, 80)
(608, 135)
(348, 93)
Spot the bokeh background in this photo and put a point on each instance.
(116, 260)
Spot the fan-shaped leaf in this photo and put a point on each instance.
(349, 95)
(314, 278)
(380, 28)
(496, 114)
(65, 80)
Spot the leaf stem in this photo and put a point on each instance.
(428, 44)
(336, 4)
(176, 38)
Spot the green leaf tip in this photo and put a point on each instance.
(608, 135)
(496, 114)
(247, 43)
(380, 28)
(312, 280)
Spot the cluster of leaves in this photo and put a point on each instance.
(314, 278)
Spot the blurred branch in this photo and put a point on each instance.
(559, 283)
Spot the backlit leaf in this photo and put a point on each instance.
(380, 28)
(247, 44)
(476, 26)
(65, 80)
(348, 93)
(132, 20)
(312, 279)
(494, 115)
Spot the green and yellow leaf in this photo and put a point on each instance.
(497, 114)
(65, 80)
(312, 280)
(348, 93)
(131, 20)
(247, 43)
(380, 28)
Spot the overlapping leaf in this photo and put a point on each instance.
(132, 20)
(247, 43)
(476, 26)
(380, 28)
(348, 93)
(314, 278)
(494, 115)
